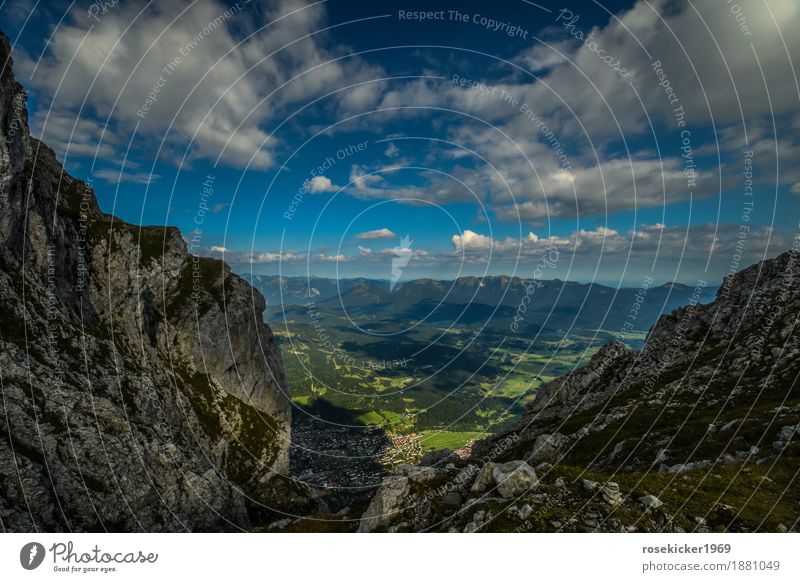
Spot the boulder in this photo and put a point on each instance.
(396, 495)
(786, 434)
(651, 501)
(548, 448)
(611, 494)
(514, 478)
(484, 479)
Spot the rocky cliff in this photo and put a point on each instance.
(141, 390)
(698, 431)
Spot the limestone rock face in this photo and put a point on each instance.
(142, 389)
(395, 496)
(389, 499)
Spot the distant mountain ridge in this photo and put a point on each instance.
(279, 290)
(555, 303)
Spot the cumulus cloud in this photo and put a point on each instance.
(711, 246)
(326, 258)
(593, 114)
(613, 185)
(471, 240)
(187, 69)
(706, 241)
(116, 177)
(69, 135)
(320, 184)
(481, 246)
(378, 234)
(251, 257)
(386, 183)
(712, 65)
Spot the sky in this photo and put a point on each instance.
(630, 140)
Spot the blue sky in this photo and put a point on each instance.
(313, 137)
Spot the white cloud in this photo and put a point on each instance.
(252, 257)
(720, 79)
(70, 136)
(115, 177)
(319, 184)
(586, 249)
(326, 258)
(379, 234)
(713, 67)
(362, 179)
(211, 97)
(273, 257)
(479, 246)
(471, 240)
(648, 240)
(591, 109)
(370, 184)
(391, 150)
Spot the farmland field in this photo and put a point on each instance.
(435, 365)
(448, 389)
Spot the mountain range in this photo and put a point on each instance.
(490, 300)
